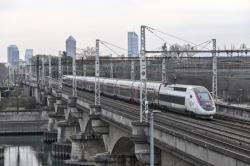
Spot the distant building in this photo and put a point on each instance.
(133, 44)
(13, 55)
(28, 55)
(71, 46)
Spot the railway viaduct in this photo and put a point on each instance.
(110, 134)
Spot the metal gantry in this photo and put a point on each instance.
(37, 70)
(97, 74)
(8, 77)
(214, 81)
(59, 71)
(143, 78)
(30, 70)
(43, 72)
(84, 67)
(164, 73)
(132, 70)
(74, 75)
(111, 67)
(50, 73)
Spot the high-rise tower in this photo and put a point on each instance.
(71, 46)
(133, 44)
(28, 55)
(13, 55)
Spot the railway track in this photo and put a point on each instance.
(233, 138)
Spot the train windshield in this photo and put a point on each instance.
(204, 98)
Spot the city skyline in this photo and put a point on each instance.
(44, 25)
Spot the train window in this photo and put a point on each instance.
(180, 89)
(204, 96)
(172, 99)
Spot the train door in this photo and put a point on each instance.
(190, 101)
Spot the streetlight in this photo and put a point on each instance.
(240, 96)
(152, 112)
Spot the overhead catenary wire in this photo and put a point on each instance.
(206, 43)
(173, 36)
(124, 49)
(159, 37)
(110, 49)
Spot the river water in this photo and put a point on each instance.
(27, 151)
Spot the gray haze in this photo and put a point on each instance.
(44, 25)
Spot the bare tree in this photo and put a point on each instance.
(85, 53)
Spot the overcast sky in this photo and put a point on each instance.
(45, 24)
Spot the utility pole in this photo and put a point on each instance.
(60, 71)
(84, 69)
(50, 76)
(97, 74)
(111, 67)
(143, 77)
(83, 66)
(26, 72)
(30, 69)
(14, 76)
(164, 74)
(37, 70)
(8, 78)
(74, 74)
(43, 73)
(132, 70)
(214, 84)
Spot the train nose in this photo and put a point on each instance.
(208, 106)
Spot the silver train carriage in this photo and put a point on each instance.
(193, 99)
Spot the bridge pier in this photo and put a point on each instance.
(43, 97)
(140, 136)
(77, 153)
(34, 92)
(57, 105)
(54, 117)
(99, 126)
(50, 99)
(67, 129)
(87, 143)
(62, 148)
(72, 110)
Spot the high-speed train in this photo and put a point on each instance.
(195, 100)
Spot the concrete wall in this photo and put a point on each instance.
(112, 139)
(233, 111)
(167, 159)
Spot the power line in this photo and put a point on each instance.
(199, 45)
(109, 48)
(173, 36)
(124, 49)
(159, 37)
